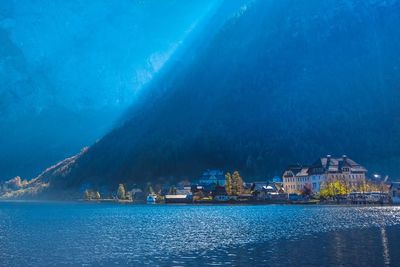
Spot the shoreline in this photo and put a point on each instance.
(141, 203)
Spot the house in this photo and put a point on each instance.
(297, 177)
(280, 188)
(343, 169)
(184, 190)
(178, 198)
(219, 194)
(394, 192)
(212, 177)
(197, 188)
(267, 190)
(255, 186)
(199, 192)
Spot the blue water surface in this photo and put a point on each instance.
(89, 234)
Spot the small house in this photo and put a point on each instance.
(219, 193)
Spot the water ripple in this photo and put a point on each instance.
(68, 234)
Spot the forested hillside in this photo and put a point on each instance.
(281, 82)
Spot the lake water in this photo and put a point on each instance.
(86, 234)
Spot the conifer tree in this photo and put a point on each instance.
(121, 192)
(228, 183)
(238, 182)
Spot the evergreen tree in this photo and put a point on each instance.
(238, 183)
(228, 183)
(97, 195)
(121, 192)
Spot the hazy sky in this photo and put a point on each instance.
(99, 53)
(68, 69)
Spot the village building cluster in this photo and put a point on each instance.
(215, 185)
(338, 179)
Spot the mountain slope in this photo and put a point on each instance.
(282, 82)
(68, 70)
(43, 184)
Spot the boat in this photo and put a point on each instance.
(151, 199)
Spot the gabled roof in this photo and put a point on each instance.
(325, 164)
(303, 172)
(332, 164)
(292, 169)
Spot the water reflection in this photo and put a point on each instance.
(93, 235)
(355, 247)
(338, 246)
(386, 255)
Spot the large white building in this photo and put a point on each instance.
(296, 178)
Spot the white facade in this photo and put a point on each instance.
(316, 181)
(295, 184)
(297, 178)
